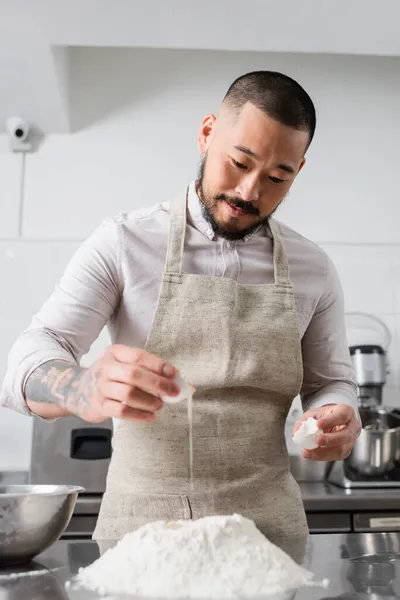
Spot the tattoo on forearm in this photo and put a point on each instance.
(58, 382)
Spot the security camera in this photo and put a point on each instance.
(17, 129)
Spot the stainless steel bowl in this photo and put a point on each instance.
(32, 517)
(375, 450)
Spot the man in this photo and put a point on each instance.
(247, 310)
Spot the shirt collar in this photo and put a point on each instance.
(196, 213)
(201, 224)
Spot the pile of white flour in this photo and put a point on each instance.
(215, 557)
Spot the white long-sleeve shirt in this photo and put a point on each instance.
(114, 278)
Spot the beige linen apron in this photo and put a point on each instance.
(239, 345)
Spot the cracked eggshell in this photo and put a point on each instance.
(306, 435)
(186, 392)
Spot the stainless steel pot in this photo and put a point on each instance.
(396, 414)
(377, 447)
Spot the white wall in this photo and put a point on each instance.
(135, 117)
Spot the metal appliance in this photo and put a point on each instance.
(375, 459)
(70, 451)
(369, 341)
(376, 449)
(370, 370)
(342, 475)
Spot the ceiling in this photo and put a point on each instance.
(36, 37)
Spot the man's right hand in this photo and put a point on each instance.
(124, 383)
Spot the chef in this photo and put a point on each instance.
(211, 286)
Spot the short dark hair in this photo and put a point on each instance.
(278, 96)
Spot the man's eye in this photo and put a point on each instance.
(238, 164)
(277, 180)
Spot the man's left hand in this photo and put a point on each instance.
(340, 428)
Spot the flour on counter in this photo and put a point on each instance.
(214, 557)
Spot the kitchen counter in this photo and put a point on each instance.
(359, 566)
(324, 496)
(317, 495)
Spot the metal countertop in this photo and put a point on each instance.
(340, 558)
(318, 496)
(323, 496)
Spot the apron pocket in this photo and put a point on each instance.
(123, 513)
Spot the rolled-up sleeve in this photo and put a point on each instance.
(72, 318)
(328, 372)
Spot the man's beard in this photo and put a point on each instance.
(209, 205)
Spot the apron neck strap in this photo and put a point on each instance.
(177, 231)
(281, 267)
(176, 242)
